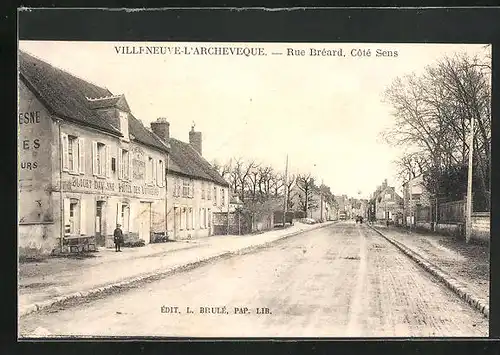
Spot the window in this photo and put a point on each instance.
(73, 154)
(209, 192)
(183, 218)
(190, 221)
(160, 179)
(126, 164)
(185, 188)
(203, 190)
(177, 187)
(100, 160)
(222, 197)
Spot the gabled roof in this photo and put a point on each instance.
(118, 101)
(71, 98)
(185, 160)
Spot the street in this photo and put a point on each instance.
(341, 281)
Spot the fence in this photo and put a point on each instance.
(240, 223)
(451, 212)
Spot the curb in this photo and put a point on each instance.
(32, 308)
(459, 288)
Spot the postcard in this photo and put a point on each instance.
(241, 190)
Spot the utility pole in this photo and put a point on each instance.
(468, 222)
(411, 199)
(285, 202)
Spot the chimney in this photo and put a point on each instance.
(195, 139)
(384, 185)
(161, 128)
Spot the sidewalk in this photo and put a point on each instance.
(467, 263)
(41, 283)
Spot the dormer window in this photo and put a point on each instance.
(124, 125)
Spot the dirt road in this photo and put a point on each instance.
(339, 281)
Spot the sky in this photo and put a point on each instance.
(324, 112)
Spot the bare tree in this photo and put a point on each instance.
(432, 115)
(291, 194)
(307, 187)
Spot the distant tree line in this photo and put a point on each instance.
(257, 184)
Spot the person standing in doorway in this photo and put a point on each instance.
(118, 237)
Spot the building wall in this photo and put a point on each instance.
(44, 210)
(137, 203)
(35, 150)
(191, 217)
(389, 204)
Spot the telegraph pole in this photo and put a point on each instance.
(468, 222)
(411, 202)
(285, 202)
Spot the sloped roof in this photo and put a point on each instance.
(67, 97)
(184, 159)
(109, 101)
(143, 135)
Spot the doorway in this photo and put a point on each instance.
(144, 218)
(100, 237)
(177, 220)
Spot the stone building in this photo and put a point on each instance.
(195, 188)
(85, 164)
(420, 197)
(388, 204)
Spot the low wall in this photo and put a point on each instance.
(451, 229)
(426, 226)
(481, 227)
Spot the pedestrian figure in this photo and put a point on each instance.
(118, 237)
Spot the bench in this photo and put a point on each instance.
(79, 243)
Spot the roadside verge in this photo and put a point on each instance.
(157, 274)
(458, 287)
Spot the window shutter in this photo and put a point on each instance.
(129, 156)
(153, 180)
(83, 219)
(159, 179)
(108, 162)
(120, 164)
(81, 156)
(192, 221)
(65, 157)
(94, 158)
(66, 203)
(191, 188)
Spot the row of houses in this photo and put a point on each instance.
(86, 164)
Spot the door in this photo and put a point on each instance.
(177, 221)
(144, 218)
(99, 236)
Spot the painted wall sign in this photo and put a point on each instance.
(138, 164)
(97, 185)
